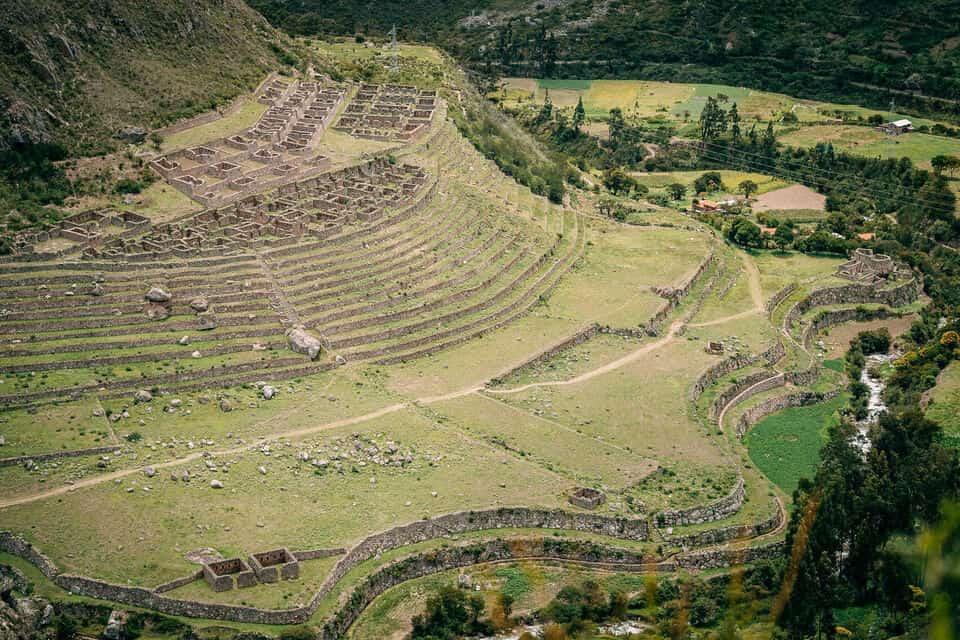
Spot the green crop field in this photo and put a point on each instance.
(786, 446)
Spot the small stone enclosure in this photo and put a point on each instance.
(224, 575)
(275, 565)
(587, 498)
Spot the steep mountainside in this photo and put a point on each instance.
(74, 71)
(839, 49)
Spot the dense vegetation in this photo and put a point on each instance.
(848, 51)
(75, 72)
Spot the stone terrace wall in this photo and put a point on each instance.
(76, 453)
(653, 327)
(718, 558)
(779, 297)
(839, 316)
(716, 536)
(752, 382)
(722, 508)
(577, 338)
(895, 296)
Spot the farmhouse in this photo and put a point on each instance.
(706, 206)
(896, 127)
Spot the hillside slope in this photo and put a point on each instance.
(75, 71)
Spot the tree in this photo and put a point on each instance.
(156, 140)
(747, 188)
(677, 191)
(619, 182)
(616, 125)
(745, 233)
(783, 236)
(578, 115)
(449, 613)
(546, 111)
(734, 123)
(713, 121)
(942, 163)
(708, 182)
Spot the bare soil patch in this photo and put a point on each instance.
(795, 197)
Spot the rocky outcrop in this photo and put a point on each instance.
(301, 341)
(22, 618)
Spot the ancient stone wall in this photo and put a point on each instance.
(779, 297)
(752, 382)
(40, 457)
(717, 536)
(839, 316)
(722, 508)
(577, 338)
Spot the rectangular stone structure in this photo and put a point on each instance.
(275, 565)
(224, 575)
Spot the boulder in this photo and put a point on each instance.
(302, 342)
(184, 341)
(206, 321)
(149, 472)
(142, 395)
(3, 441)
(156, 311)
(268, 392)
(156, 294)
(133, 135)
(97, 289)
(199, 304)
(216, 484)
(225, 406)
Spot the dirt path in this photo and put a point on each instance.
(753, 275)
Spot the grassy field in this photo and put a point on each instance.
(944, 407)
(786, 445)
(864, 141)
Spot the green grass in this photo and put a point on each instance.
(786, 445)
(864, 141)
(944, 407)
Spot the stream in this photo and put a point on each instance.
(875, 404)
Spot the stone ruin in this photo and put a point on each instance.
(275, 565)
(388, 112)
(868, 267)
(278, 148)
(587, 498)
(224, 575)
(317, 206)
(86, 229)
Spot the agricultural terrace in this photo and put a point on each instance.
(392, 335)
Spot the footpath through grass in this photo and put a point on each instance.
(786, 445)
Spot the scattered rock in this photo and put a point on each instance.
(262, 470)
(97, 289)
(216, 484)
(155, 311)
(149, 472)
(340, 360)
(268, 392)
(302, 342)
(206, 321)
(196, 354)
(225, 406)
(199, 304)
(3, 441)
(142, 395)
(176, 403)
(156, 294)
(184, 341)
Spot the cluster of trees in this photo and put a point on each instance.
(451, 613)
(30, 182)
